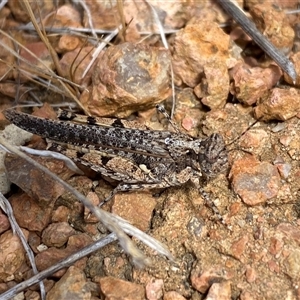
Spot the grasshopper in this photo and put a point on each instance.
(137, 157)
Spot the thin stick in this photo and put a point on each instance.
(60, 265)
(6, 207)
(166, 45)
(249, 27)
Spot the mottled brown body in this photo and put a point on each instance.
(129, 152)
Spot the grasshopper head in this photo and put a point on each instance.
(213, 156)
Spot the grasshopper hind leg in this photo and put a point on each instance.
(125, 187)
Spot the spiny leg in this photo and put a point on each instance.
(161, 109)
(125, 187)
(207, 199)
(211, 205)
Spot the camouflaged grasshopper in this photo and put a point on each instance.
(129, 152)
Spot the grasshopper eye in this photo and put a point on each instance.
(214, 159)
(211, 168)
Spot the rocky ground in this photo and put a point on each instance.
(224, 84)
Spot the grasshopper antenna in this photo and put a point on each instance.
(238, 137)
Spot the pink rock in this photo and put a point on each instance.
(276, 245)
(117, 289)
(220, 291)
(237, 248)
(154, 289)
(127, 77)
(290, 231)
(173, 296)
(251, 274)
(76, 61)
(279, 104)
(57, 234)
(199, 58)
(4, 223)
(29, 213)
(273, 23)
(202, 280)
(72, 285)
(251, 83)
(12, 254)
(254, 181)
(136, 207)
